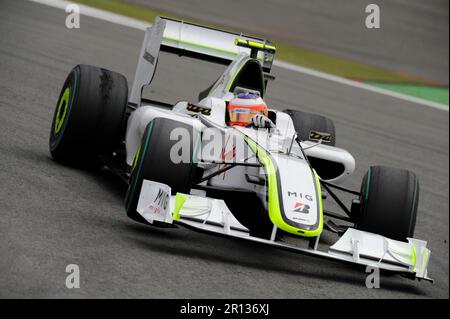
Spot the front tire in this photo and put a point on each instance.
(389, 200)
(153, 162)
(89, 115)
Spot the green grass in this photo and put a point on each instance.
(286, 52)
(435, 94)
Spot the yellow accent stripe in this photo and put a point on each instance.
(180, 199)
(59, 121)
(319, 198)
(414, 255)
(253, 44)
(136, 158)
(234, 76)
(275, 214)
(205, 46)
(230, 84)
(200, 45)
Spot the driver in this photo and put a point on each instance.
(248, 109)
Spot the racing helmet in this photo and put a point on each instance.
(243, 107)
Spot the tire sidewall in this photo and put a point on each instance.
(151, 163)
(389, 202)
(72, 81)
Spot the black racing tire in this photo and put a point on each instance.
(153, 162)
(389, 201)
(305, 122)
(89, 115)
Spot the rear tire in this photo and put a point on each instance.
(389, 200)
(305, 122)
(89, 115)
(153, 162)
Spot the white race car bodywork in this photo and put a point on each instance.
(298, 186)
(291, 187)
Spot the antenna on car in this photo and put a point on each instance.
(294, 137)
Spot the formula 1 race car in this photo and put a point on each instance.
(185, 165)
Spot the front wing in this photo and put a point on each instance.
(213, 217)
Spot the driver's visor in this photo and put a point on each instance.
(242, 115)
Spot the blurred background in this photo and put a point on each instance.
(409, 53)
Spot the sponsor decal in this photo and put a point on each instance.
(301, 208)
(160, 202)
(154, 202)
(300, 195)
(319, 136)
(198, 109)
(150, 58)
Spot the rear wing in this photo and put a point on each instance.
(187, 39)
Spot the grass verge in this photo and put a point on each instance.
(434, 94)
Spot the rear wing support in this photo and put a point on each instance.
(200, 42)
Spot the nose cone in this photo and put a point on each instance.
(299, 196)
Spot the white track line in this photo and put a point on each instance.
(97, 13)
(137, 24)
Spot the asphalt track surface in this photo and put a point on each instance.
(413, 37)
(54, 215)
